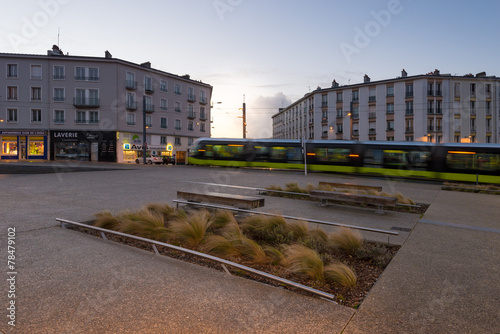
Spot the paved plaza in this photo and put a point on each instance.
(443, 280)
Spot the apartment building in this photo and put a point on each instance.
(431, 107)
(60, 107)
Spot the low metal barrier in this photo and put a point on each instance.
(223, 262)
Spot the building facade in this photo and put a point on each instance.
(433, 107)
(60, 107)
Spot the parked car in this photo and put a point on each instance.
(150, 159)
(168, 160)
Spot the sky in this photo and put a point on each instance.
(266, 53)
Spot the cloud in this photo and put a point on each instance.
(260, 112)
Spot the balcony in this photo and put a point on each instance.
(203, 100)
(87, 121)
(372, 115)
(149, 107)
(409, 94)
(324, 119)
(149, 89)
(372, 99)
(324, 104)
(130, 84)
(131, 105)
(409, 129)
(430, 110)
(59, 120)
(355, 132)
(430, 93)
(372, 132)
(130, 122)
(324, 134)
(79, 102)
(85, 78)
(203, 116)
(430, 128)
(191, 98)
(191, 115)
(355, 116)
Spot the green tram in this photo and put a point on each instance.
(421, 160)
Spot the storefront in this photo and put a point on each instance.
(83, 145)
(23, 145)
(132, 147)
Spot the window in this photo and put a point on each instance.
(131, 104)
(163, 85)
(409, 125)
(430, 107)
(340, 128)
(191, 97)
(439, 109)
(390, 125)
(148, 84)
(12, 93)
(409, 90)
(390, 91)
(203, 96)
(130, 82)
(178, 124)
(390, 138)
(177, 89)
(202, 127)
(456, 89)
(59, 73)
(430, 89)
(177, 141)
(340, 113)
(202, 113)
(163, 139)
(81, 117)
(355, 96)
(36, 71)
(355, 112)
(372, 94)
(177, 107)
(11, 115)
(163, 104)
(93, 74)
(36, 94)
(11, 70)
(163, 122)
(59, 95)
(190, 126)
(80, 73)
(324, 100)
(339, 96)
(130, 118)
(409, 108)
(59, 117)
(472, 125)
(191, 111)
(93, 117)
(488, 90)
(472, 90)
(190, 141)
(36, 115)
(149, 121)
(472, 107)
(148, 104)
(390, 108)
(438, 89)
(409, 138)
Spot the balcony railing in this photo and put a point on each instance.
(324, 104)
(191, 98)
(430, 128)
(372, 115)
(85, 78)
(372, 131)
(131, 105)
(149, 89)
(86, 102)
(324, 134)
(430, 93)
(355, 132)
(131, 84)
(149, 107)
(409, 129)
(409, 94)
(203, 116)
(203, 100)
(430, 110)
(59, 120)
(372, 99)
(87, 121)
(324, 119)
(355, 116)
(191, 115)
(130, 122)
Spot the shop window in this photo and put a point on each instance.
(36, 146)
(9, 145)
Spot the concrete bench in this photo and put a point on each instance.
(350, 186)
(238, 201)
(379, 201)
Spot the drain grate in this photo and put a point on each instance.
(402, 229)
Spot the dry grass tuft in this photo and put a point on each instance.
(192, 229)
(220, 246)
(300, 229)
(221, 219)
(143, 223)
(251, 250)
(105, 219)
(340, 273)
(164, 209)
(347, 240)
(274, 255)
(304, 260)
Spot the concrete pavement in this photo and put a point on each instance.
(443, 280)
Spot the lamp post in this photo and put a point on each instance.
(144, 143)
(244, 118)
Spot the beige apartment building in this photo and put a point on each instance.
(431, 107)
(60, 107)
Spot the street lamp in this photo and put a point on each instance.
(144, 143)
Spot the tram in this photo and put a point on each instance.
(421, 160)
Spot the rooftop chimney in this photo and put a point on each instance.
(107, 55)
(366, 79)
(146, 64)
(334, 84)
(404, 74)
(436, 72)
(55, 51)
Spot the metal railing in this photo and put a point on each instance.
(223, 262)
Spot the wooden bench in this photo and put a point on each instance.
(379, 201)
(238, 201)
(350, 186)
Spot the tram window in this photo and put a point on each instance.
(290, 154)
(228, 151)
(332, 154)
(473, 161)
(373, 158)
(400, 159)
